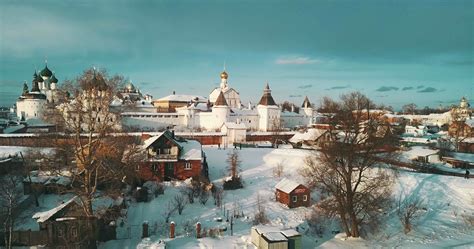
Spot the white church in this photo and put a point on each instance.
(32, 104)
(223, 108)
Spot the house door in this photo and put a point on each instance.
(169, 171)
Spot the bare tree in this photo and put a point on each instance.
(278, 170)
(344, 168)
(169, 211)
(88, 120)
(409, 210)
(260, 216)
(409, 108)
(234, 181)
(218, 195)
(204, 197)
(180, 203)
(10, 196)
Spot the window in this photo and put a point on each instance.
(74, 232)
(154, 167)
(60, 233)
(278, 194)
(294, 198)
(187, 166)
(305, 197)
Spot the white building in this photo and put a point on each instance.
(224, 107)
(32, 104)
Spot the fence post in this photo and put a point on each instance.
(198, 230)
(145, 229)
(172, 227)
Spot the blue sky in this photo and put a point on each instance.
(396, 52)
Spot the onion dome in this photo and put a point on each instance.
(46, 72)
(35, 87)
(53, 79)
(25, 88)
(38, 78)
(220, 100)
(306, 103)
(224, 75)
(267, 98)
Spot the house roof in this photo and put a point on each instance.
(310, 135)
(147, 143)
(191, 150)
(290, 233)
(184, 98)
(44, 216)
(274, 237)
(286, 185)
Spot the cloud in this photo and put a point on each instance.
(295, 61)
(305, 86)
(407, 88)
(295, 96)
(386, 89)
(337, 87)
(420, 86)
(461, 62)
(428, 90)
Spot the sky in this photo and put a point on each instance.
(396, 52)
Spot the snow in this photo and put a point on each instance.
(5, 151)
(274, 236)
(416, 151)
(231, 125)
(44, 216)
(446, 199)
(467, 157)
(191, 150)
(290, 233)
(151, 140)
(184, 98)
(310, 135)
(286, 185)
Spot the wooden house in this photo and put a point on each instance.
(292, 194)
(167, 157)
(67, 226)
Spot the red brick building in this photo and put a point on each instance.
(292, 194)
(171, 158)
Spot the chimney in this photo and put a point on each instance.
(172, 134)
(174, 92)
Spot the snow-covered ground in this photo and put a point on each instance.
(6, 151)
(446, 199)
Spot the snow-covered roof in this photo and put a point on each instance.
(467, 157)
(274, 236)
(44, 216)
(470, 122)
(286, 185)
(417, 151)
(151, 140)
(184, 98)
(244, 112)
(290, 233)
(191, 150)
(232, 125)
(310, 135)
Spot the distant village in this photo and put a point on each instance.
(77, 163)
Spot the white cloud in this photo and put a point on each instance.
(296, 61)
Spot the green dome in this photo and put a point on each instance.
(53, 79)
(46, 72)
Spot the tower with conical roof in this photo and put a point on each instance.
(220, 110)
(268, 112)
(307, 107)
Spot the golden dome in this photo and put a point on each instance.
(224, 75)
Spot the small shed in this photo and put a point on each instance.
(273, 240)
(294, 238)
(292, 194)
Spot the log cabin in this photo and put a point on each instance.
(292, 194)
